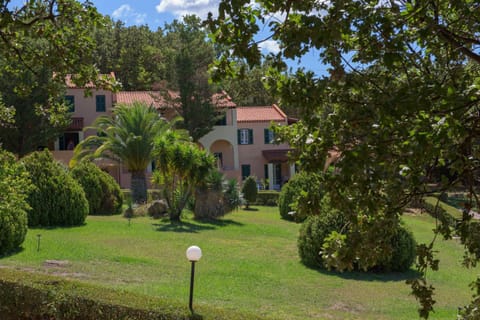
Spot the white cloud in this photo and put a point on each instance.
(270, 46)
(181, 8)
(129, 15)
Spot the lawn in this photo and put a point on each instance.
(249, 263)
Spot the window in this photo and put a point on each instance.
(245, 136)
(100, 103)
(68, 140)
(269, 136)
(245, 171)
(70, 100)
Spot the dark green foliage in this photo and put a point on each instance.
(403, 251)
(181, 168)
(295, 200)
(32, 296)
(102, 191)
(57, 200)
(14, 187)
(314, 230)
(267, 198)
(317, 227)
(231, 195)
(249, 190)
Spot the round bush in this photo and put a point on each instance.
(57, 200)
(102, 191)
(304, 188)
(14, 187)
(404, 249)
(314, 230)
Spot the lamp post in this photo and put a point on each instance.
(194, 254)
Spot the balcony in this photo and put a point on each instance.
(76, 125)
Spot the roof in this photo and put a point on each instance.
(152, 98)
(70, 83)
(260, 114)
(223, 100)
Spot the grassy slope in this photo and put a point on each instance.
(250, 263)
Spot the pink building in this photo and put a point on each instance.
(241, 142)
(243, 145)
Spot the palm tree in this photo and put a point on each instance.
(126, 138)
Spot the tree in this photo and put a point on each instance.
(247, 87)
(181, 167)
(57, 34)
(64, 27)
(249, 190)
(401, 99)
(126, 138)
(190, 56)
(38, 118)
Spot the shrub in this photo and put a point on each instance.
(267, 198)
(102, 191)
(57, 200)
(33, 296)
(293, 194)
(14, 187)
(314, 230)
(249, 190)
(404, 249)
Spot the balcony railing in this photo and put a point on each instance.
(76, 125)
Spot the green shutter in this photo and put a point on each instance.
(100, 103)
(265, 169)
(70, 100)
(266, 136)
(250, 136)
(238, 136)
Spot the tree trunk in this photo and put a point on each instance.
(138, 186)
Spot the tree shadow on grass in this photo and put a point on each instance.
(371, 276)
(12, 253)
(188, 227)
(40, 228)
(250, 209)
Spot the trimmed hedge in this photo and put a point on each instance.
(316, 228)
(26, 295)
(57, 199)
(313, 232)
(445, 213)
(102, 191)
(267, 198)
(14, 187)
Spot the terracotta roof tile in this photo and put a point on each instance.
(148, 97)
(260, 114)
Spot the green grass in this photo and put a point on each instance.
(249, 263)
